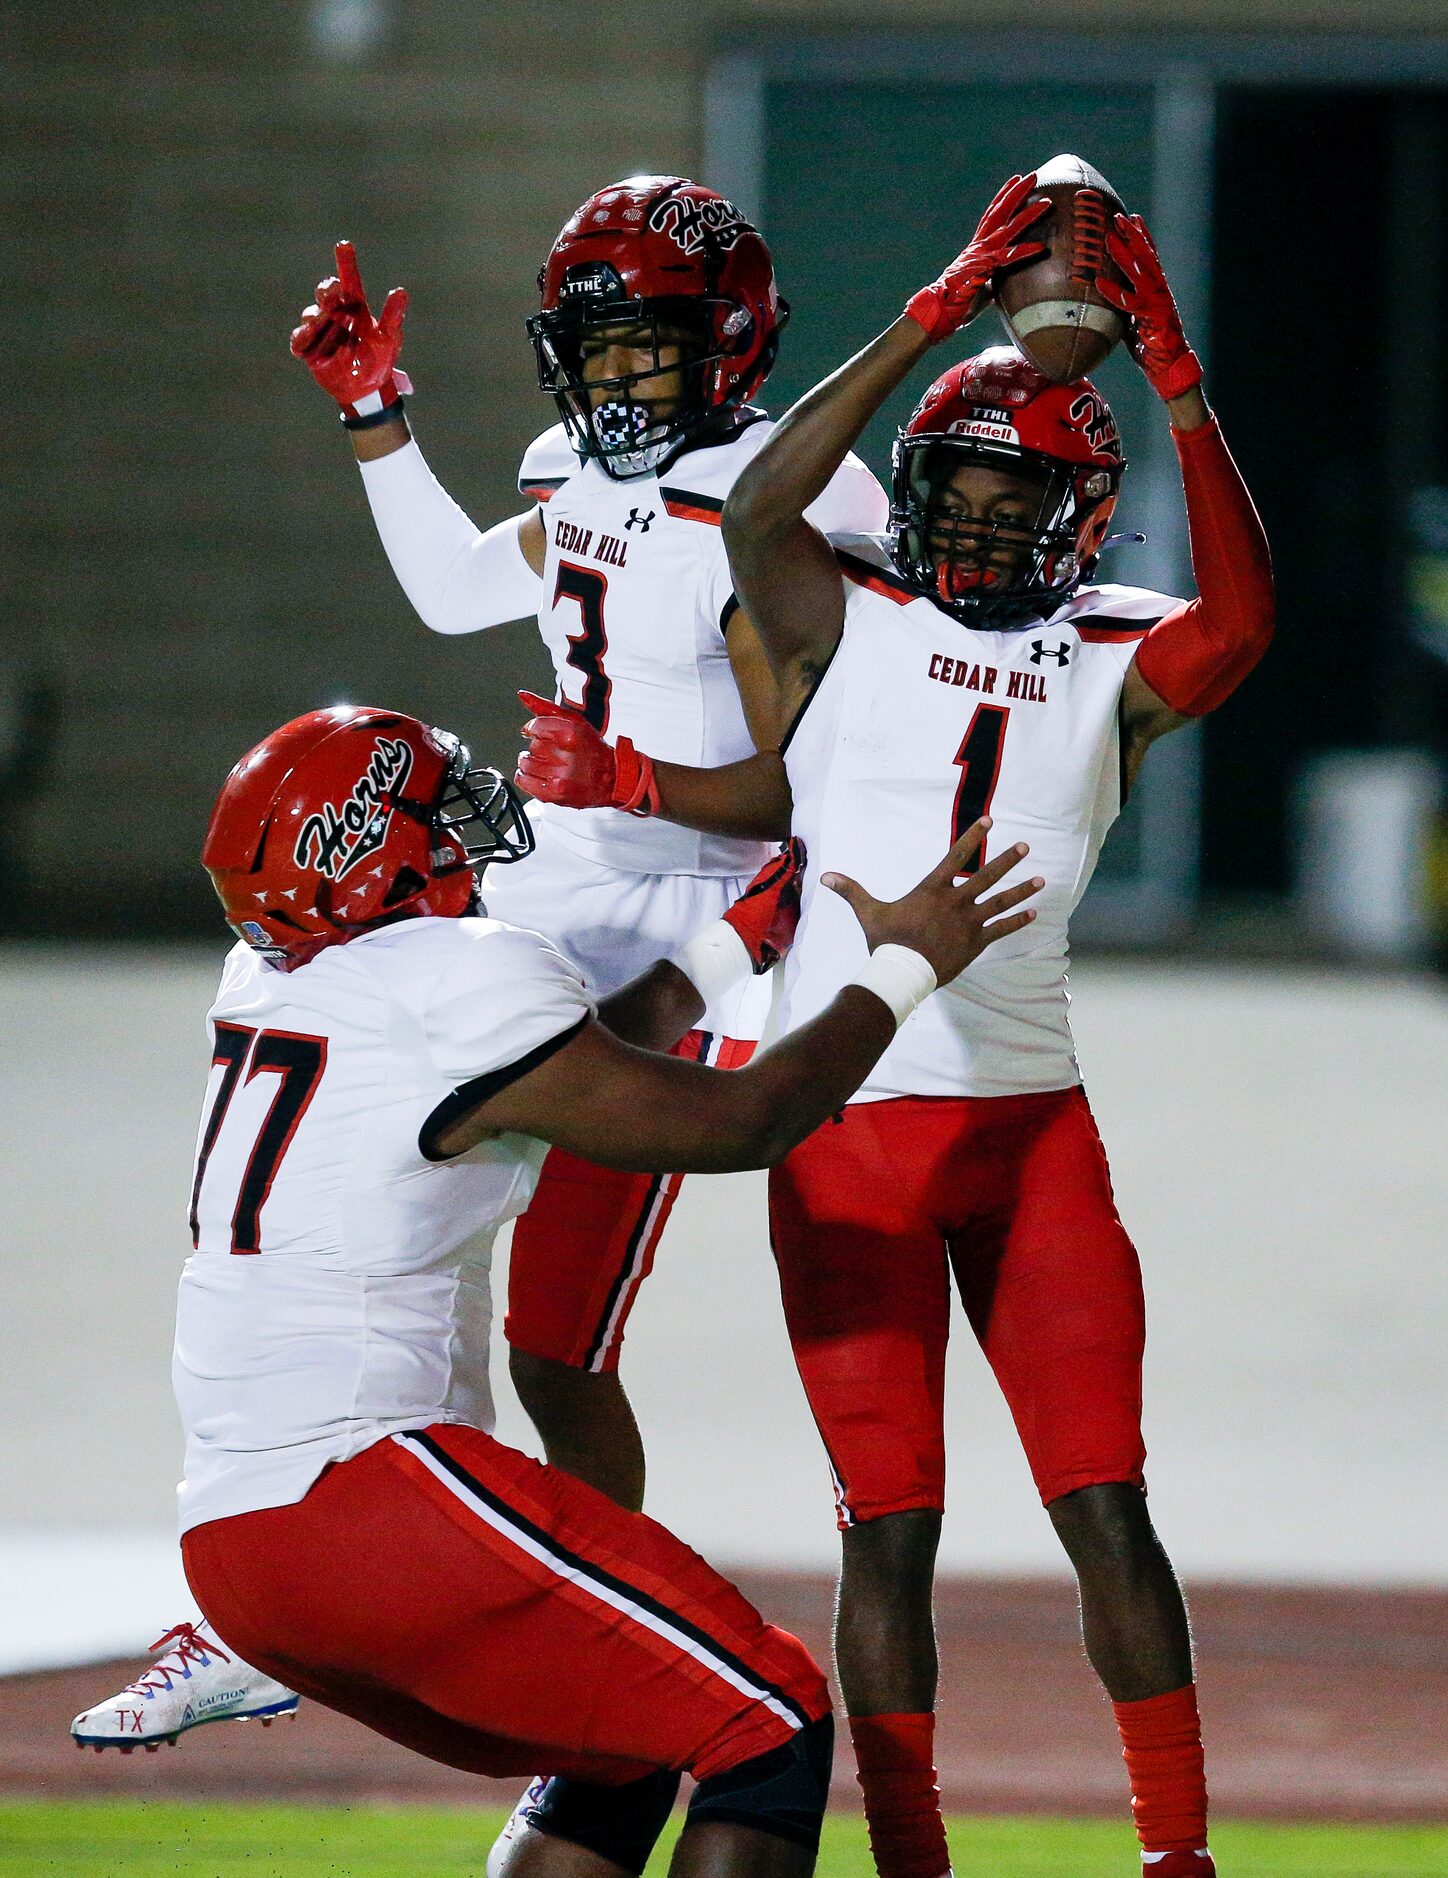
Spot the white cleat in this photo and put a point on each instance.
(192, 1680)
(519, 1820)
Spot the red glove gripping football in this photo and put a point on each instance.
(954, 300)
(569, 763)
(350, 354)
(766, 913)
(1157, 341)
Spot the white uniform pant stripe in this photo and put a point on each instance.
(644, 1246)
(571, 1573)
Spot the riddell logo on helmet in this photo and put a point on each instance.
(687, 222)
(995, 426)
(335, 839)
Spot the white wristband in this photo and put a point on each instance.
(715, 960)
(899, 977)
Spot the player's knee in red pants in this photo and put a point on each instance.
(871, 1218)
(502, 1617)
(587, 1242)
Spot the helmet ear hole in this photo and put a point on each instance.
(406, 884)
(737, 330)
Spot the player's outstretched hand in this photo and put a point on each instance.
(947, 920)
(351, 355)
(999, 242)
(767, 912)
(1157, 341)
(569, 763)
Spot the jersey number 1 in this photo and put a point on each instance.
(979, 758)
(586, 648)
(298, 1061)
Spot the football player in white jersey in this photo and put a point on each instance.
(387, 1065)
(659, 320)
(967, 663)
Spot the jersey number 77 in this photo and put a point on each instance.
(297, 1061)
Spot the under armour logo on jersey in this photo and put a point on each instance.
(1039, 651)
(639, 521)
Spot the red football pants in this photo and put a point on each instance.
(873, 1214)
(502, 1617)
(584, 1247)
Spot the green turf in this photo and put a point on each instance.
(136, 1839)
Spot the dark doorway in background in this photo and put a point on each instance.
(1328, 333)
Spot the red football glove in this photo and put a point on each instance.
(350, 354)
(954, 300)
(568, 762)
(1155, 334)
(767, 912)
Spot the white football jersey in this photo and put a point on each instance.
(636, 594)
(919, 726)
(340, 1285)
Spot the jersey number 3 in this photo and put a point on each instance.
(298, 1063)
(586, 648)
(979, 758)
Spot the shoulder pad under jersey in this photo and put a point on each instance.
(711, 472)
(1133, 611)
(865, 562)
(547, 464)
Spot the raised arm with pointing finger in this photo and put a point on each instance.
(458, 577)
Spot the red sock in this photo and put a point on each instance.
(1161, 1743)
(895, 1761)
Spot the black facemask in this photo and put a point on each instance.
(947, 556)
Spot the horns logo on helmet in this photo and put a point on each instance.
(1091, 414)
(688, 221)
(333, 840)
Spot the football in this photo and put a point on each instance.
(1050, 306)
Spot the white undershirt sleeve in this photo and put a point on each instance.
(458, 578)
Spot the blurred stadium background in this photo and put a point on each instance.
(188, 560)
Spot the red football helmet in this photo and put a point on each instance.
(998, 410)
(350, 816)
(681, 264)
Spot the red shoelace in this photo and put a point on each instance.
(180, 1647)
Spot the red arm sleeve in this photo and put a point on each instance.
(1195, 658)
